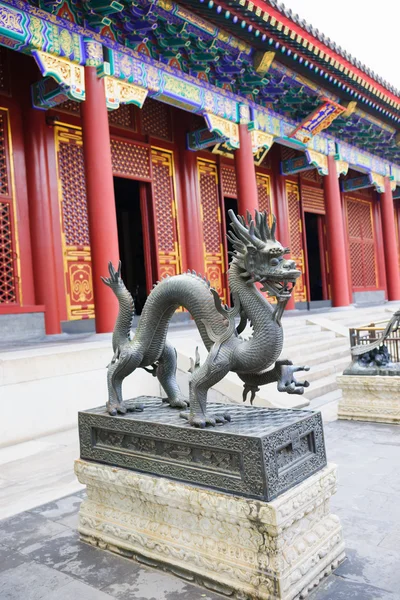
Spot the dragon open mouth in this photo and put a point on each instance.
(282, 289)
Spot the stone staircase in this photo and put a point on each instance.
(328, 361)
(319, 340)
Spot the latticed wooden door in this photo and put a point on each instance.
(165, 213)
(228, 180)
(296, 238)
(362, 243)
(74, 223)
(9, 280)
(264, 193)
(212, 230)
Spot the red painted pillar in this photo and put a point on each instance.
(335, 237)
(40, 216)
(189, 211)
(246, 173)
(100, 197)
(390, 243)
(280, 205)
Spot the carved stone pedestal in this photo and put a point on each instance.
(243, 547)
(370, 398)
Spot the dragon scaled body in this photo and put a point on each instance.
(258, 258)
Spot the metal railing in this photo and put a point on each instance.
(365, 334)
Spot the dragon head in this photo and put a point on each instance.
(260, 257)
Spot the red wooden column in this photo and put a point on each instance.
(335, 237)
(280, 205)
(40, 216)
(390, 243)
(246, 173)
(189, 211)
(100, 197)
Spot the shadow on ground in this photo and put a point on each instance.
(41, 557)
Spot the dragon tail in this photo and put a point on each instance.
(123, 325)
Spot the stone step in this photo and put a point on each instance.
(324, 399)
(328, 368)
(321, 387)
(300, 331)
(314, 348)
(361, 316)
(309, 340)
(325, 356)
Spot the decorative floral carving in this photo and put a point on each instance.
(245, 545)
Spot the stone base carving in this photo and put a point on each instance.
(244, 548)
(261, 453)
(369, 398)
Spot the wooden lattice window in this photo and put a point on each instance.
(74, 224)
(71, 169)
(165, 212)
(264, 193)
(228, 178)
(296, 238)
(70, 106)
(156, 119)
(122, 117)
(214, 255)
(313, 199)
(361, 243)
(4, 71)
(130, 160)
(9, 293)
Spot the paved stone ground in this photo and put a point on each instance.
(41, 557)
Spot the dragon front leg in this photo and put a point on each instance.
(282, 373)
(285, 377)
(215, 367)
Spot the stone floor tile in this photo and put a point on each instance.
(336, 588)
(71, 521)
(10, 559)
(66, 553)
(366, 503)
(147, 584)
(392, 540)
(76, 590)
(64, 507)
(30, 581)
(372, 565)
(360, 530)
(27, 528)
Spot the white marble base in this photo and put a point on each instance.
(370, 398)
(244, 548)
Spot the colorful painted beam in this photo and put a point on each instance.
(184, 92)
(201, 139)
(26, 28)
(310, 160)
(371, 179)
(47, 93)
(317, 121)
(26, 32)
(121, 92)
(362, 160)
(69, 75)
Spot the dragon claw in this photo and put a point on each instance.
(205, 420)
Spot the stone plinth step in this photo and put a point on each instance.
(242, 548)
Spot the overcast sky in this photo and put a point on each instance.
(368, 29)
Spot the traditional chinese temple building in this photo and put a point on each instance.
(128, 129)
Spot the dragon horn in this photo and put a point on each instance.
(273, 228)
(243, 232)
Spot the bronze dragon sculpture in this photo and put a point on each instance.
(258, 258)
